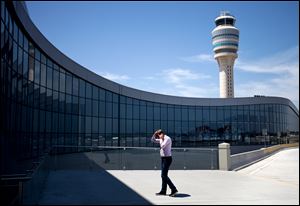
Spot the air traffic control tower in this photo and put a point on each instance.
(225, 45)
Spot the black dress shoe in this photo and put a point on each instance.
(161, 193)
(173, 193)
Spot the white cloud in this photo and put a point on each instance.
(281, 62)
(199, 58)
(115, 77)
(178, 75)
(284, 82)
(184, 82)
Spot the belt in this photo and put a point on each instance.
(166, 157)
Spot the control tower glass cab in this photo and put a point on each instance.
(225, 39)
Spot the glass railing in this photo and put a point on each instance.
(131, 158)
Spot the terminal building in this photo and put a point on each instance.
(48, 99)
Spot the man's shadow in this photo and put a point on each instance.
(181, 195)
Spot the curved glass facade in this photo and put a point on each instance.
(44, 104)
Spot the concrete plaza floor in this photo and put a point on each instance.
(274, 180)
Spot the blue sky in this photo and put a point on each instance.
(165, 47)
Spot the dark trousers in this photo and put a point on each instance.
(165, 165)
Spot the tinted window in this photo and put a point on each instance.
(68, 84)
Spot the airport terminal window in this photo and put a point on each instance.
(25, 64)
(37, 72)
(43, 74)
(88, 90)
(81, 88)
(75, 86)
(68, 84)
(62, 82)
(55, 80)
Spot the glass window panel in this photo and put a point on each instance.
(75, 124)
(37, 72)
(49, 77)
(170, 112)
(42, 97)
(88, 125)
(177, 113)
(129, 100)
(95, 108)
(43, 75)
(136, 112)
(108, 108)
(82, 106)
(95, 92)
(115, 98)
(95, 125)
(31, 68)
(25, 44)
(16, 30)
(102, 94)
(62, 82)
(21, 38)
(115, 110)
(101, 109)
(129, 111)
(150, 128)
(68, 84)
(143, 112)
(213, 114)
(88, 90)
(192, 114)
(82, 88)
(55, 101)
(61, 124)
(122, 99)
(108, 126)
(25, 65)
(55, 80)
(81, 124)
(37, 54)
(68, 104)
(199, 114)
(15, 56)
(75, 109)
(101, 125)
(43, 58)
(150, 111)
(75, 86)
(205, 114)
(184, 114)
(88, 107)
(49, 63)
(20, 60)
(115, 126)
(49, 100)
(164, 113)
(62, 101)
(123, 111)
(227, 114)
(108, 95)
(157, 113)
(129, 127)
(68, 123)
(220, 114)
(31, 49)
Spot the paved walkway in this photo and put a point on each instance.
(274, 180)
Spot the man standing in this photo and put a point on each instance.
(166, 160)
